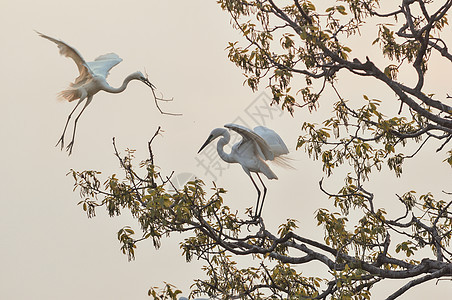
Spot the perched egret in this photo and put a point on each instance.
(91, 80)
(251, 152)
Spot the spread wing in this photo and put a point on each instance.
(273, 140)
(250, 136)
(70, 52)
(103, 64)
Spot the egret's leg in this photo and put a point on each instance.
(71, 144)
(61, 140)
(258, 194)
(263, 197)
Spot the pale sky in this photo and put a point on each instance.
(49, 249)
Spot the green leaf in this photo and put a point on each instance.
(341, 9)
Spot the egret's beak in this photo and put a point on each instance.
(209, 139)
(148, 83)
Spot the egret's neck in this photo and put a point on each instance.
(220, 147)
(120, 89)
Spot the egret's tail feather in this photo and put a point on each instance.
(69, 95)
(284, 162)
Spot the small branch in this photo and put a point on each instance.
(151, 155)
(130, 172)
(156, 99)
(420, 147)
(303, 13)
(444, 144)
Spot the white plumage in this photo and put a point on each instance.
(256, 147)
(102, 65)
(92, 79)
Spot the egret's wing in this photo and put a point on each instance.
(249, 135)
(277, 146)
(68, 51)
(103, 64)
(275, 142)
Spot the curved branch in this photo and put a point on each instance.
(417, 281)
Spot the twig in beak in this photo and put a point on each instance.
(156, 99)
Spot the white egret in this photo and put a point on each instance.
(251, 152)
(91, 80)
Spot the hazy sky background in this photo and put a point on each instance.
(48, 248)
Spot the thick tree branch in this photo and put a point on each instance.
(414, 282)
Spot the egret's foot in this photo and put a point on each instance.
(60, 141)
(69, 147)
(255, 220)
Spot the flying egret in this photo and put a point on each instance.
(91, 80)
(251, 152)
